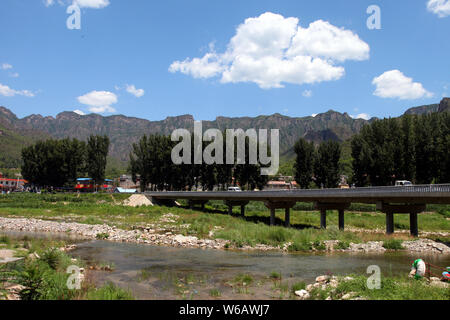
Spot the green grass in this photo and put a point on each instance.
(109, 292)
(243, 280)
(393, 288)
(298, 286)
(393, 244)
(215, 293)
(275, 275)
(45, 277)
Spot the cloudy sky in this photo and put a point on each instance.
(154, 59)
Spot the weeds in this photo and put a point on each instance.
(393, 244)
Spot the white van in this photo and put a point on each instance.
(403, 183)
(234, 189)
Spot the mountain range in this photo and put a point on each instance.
(123, 131)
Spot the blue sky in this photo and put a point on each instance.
(153, 59)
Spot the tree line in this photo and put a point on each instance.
(151, 161)
(59, 163)
(414, 148)
(319, 166)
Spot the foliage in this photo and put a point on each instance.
(411, 148)
(60, 162)
(151, 161)
(393, 244)
(304, 163)
(97, 150)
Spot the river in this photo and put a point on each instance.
(156, 272)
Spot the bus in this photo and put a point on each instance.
(85, 185)
(89, 185)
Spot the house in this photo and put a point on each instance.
(126, 182)
(11, 184)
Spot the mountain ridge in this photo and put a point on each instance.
(123, 131)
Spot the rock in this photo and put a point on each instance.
(33, 256)
(334, 283)
(309, 287)
(348, 296)
(303, 294)
(348, 278)
(436, 282)
(322, 278)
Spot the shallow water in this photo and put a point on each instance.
(213, 268)
(156, 272)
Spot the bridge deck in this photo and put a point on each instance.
(424, 194)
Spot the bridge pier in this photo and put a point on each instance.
(412, 209)
(286, 205)
(234, 203)
(323, 207)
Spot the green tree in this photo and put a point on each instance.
(96, 154)
(304, 164)
(326, 166)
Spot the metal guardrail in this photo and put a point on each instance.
(413, 188)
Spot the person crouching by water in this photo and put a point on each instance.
(418, 269)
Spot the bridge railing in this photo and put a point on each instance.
(413, 188)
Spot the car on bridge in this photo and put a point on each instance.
(234, 189)
(403, 183)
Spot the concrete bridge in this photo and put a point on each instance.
(410, 200)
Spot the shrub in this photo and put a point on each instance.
(5, 240)
(300, 246)
(342, 245)
(109, 292)
(53, 257)
(319, 245)
(275, 275)
(102, 236)
(214, 293)
(298, 286)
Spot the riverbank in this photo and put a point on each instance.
(356, 287)
(37, 269)
(155, 237)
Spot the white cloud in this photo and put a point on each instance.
(270, 50)
(94, 4)
(81, 113)
(206, 67)
(322, 39)
(394, 84)
(439, 7)
(364, 116)
(136, 92)
(99, 101)
(8, 92)
(307, 93)
(314, 115)
(14, 75)
(6, 66)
